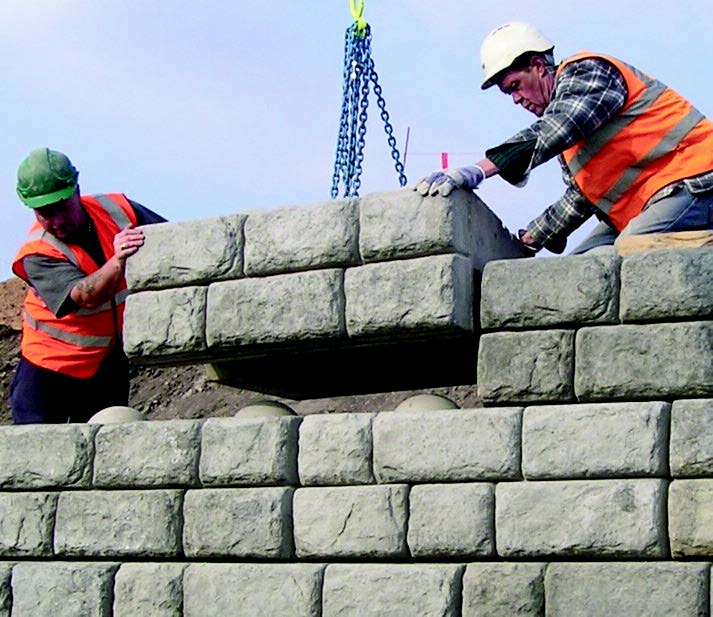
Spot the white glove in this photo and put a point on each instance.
(443, 182)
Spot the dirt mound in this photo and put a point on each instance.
(184, 391)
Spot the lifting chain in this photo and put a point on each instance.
(358, 74)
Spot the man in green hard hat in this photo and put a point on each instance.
(72, 363)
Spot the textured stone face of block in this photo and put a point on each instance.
(677, 284)
(26, 524)
(504, 589)
(437, 446)
(250, 589)
(188, 253)
(617, 518)
(547, 292)
(429, 293)
(62, 589)
(351, 521)
(241, 522)
(690, 516)
(644, 361)
(451, 520)
(336, 449)
(372, 590)
(607, 589)
(46, 456)
(119, 523)
(692, 438)
(147, 454)
(275, 309)
(401, 224)
(249, 452)
(170, 322)
(526, 366)
(149, 590)
(306, 237)
(595, 440)
(5, 590)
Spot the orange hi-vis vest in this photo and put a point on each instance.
(77, 343)
(657, 138)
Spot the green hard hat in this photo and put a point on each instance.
(45, 177)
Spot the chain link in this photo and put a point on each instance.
(359, 75)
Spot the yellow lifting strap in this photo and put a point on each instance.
(357, 8)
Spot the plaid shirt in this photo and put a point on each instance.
(587, 94)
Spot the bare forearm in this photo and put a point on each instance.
(488, 167)
(100, 286)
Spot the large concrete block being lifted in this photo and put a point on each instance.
(302, 298)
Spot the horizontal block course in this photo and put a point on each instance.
(692, 438)
(27, 463)
(607, 589)
(238, 522)
(528, 293)
(645, 361)
(453, 445)
(248, 590)
(119, 523)
(428, 293)
(322, 235)
(276, 309)
(149, 590)
(336, 449)
(352, 590)
(603, 518)
(351, 521)
(26, 524)
(536, 366)
(188, 253)
(144, 454)
(504, 588)
(245, 452)
(690, 516)
(605, 440)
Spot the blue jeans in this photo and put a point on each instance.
(679, 211)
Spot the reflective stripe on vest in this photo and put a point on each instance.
(45, 236)
(113, 210)
(81, 340)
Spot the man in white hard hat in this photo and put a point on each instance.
(633, 152)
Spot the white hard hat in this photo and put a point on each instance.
(507, 43)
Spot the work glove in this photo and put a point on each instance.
(443, 182)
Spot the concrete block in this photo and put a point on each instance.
(451, 520)
(119, 523)
(606, 589)
(238, 452)
(276, 309)
(527, 293)
(238, 522)
(26, 524)
(403, 224)
(5, 589)
(164, 324)
(533, 366)
(493, 589)
(321, 235)
(664, 285)
(149, 590)
(690, 517)
(351, 521)
(188, 253)
(46, 456)
(141, 454)
(602, 518)
(597, 440)
(62, 589)
(448, 446)
(414, 295)
(407, 590)
(645, 361)
(692, 438)
(251, 589)
(336, 449)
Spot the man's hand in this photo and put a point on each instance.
(443, 182)
(127, 242)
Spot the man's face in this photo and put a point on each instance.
(62, 219)
(530, 87)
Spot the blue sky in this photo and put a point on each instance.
(198, 109)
